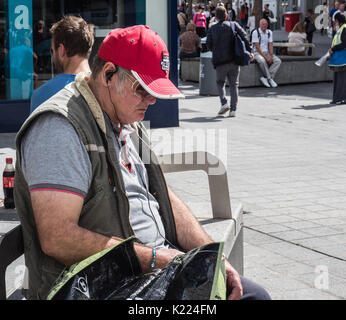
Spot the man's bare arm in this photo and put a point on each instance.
(258, 49)
(56, 216)
(271, 48)
(190, 233)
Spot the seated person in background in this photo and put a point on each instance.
(297, 35)
(189, 42)
(262, 39)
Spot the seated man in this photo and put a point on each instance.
(72, 41)
(262, 39)
(81, 183)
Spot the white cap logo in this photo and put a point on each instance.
(165, 61)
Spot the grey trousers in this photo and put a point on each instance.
(253, 291)
(231, 72)
(268, 71)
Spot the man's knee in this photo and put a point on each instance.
(253, 291)
(260, 59)
(277, 60)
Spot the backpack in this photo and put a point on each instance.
(310, 27)
(242, 56)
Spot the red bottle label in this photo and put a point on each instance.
(8, 182)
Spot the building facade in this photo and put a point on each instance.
(25, 57)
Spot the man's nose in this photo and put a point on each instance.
(150, 100)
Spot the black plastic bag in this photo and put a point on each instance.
(114, 274)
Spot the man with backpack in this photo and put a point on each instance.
(262, 40)
(221, 40)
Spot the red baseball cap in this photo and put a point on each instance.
(141, 50)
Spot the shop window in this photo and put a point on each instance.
(25, 41)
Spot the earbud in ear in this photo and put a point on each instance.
(109, 75)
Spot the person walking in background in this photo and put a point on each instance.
(230, 11)
(182, 20)
(220, 41)
(247, 10)
(242, 16)
(337, 61)
(251, 22)
(268, 14)
(72, 41)
(340, 10)
(262, 39)
(310, 28)
(331, 15)
(200, 21)
(297, 35)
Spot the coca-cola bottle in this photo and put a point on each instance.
(8, 184)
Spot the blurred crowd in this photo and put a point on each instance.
(203, 16)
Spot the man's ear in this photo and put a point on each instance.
(110, 70)
(61, 51)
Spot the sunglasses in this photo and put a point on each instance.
(137, 89)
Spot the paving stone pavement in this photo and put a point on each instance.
(285, 154)
(286, 160)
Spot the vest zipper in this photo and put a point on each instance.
(122, 192)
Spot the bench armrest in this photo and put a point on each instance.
(213, 167)
(226, 224)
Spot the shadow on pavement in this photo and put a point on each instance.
(316, 107)
(203, 119)
(320, 90)
(189, 97)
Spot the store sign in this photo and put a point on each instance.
(20, 60)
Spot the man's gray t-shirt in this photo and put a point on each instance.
(54, 158)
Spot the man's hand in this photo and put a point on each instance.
(165, 256)
(233, 281)
(269, 59)
(252, 57)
